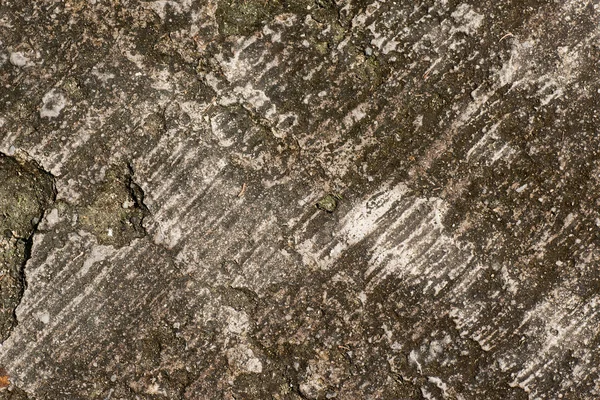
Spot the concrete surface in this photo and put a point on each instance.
(161, 166)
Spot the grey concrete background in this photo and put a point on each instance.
(161, 166)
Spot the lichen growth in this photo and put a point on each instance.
(329, 202)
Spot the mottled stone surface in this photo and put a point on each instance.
(184, 256)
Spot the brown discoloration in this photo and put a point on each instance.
(4, 379)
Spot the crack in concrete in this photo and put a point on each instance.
(137, 195)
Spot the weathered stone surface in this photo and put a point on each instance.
(190, 141)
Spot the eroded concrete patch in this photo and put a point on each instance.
(26, 192)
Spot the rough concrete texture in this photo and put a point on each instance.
(452, 148)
